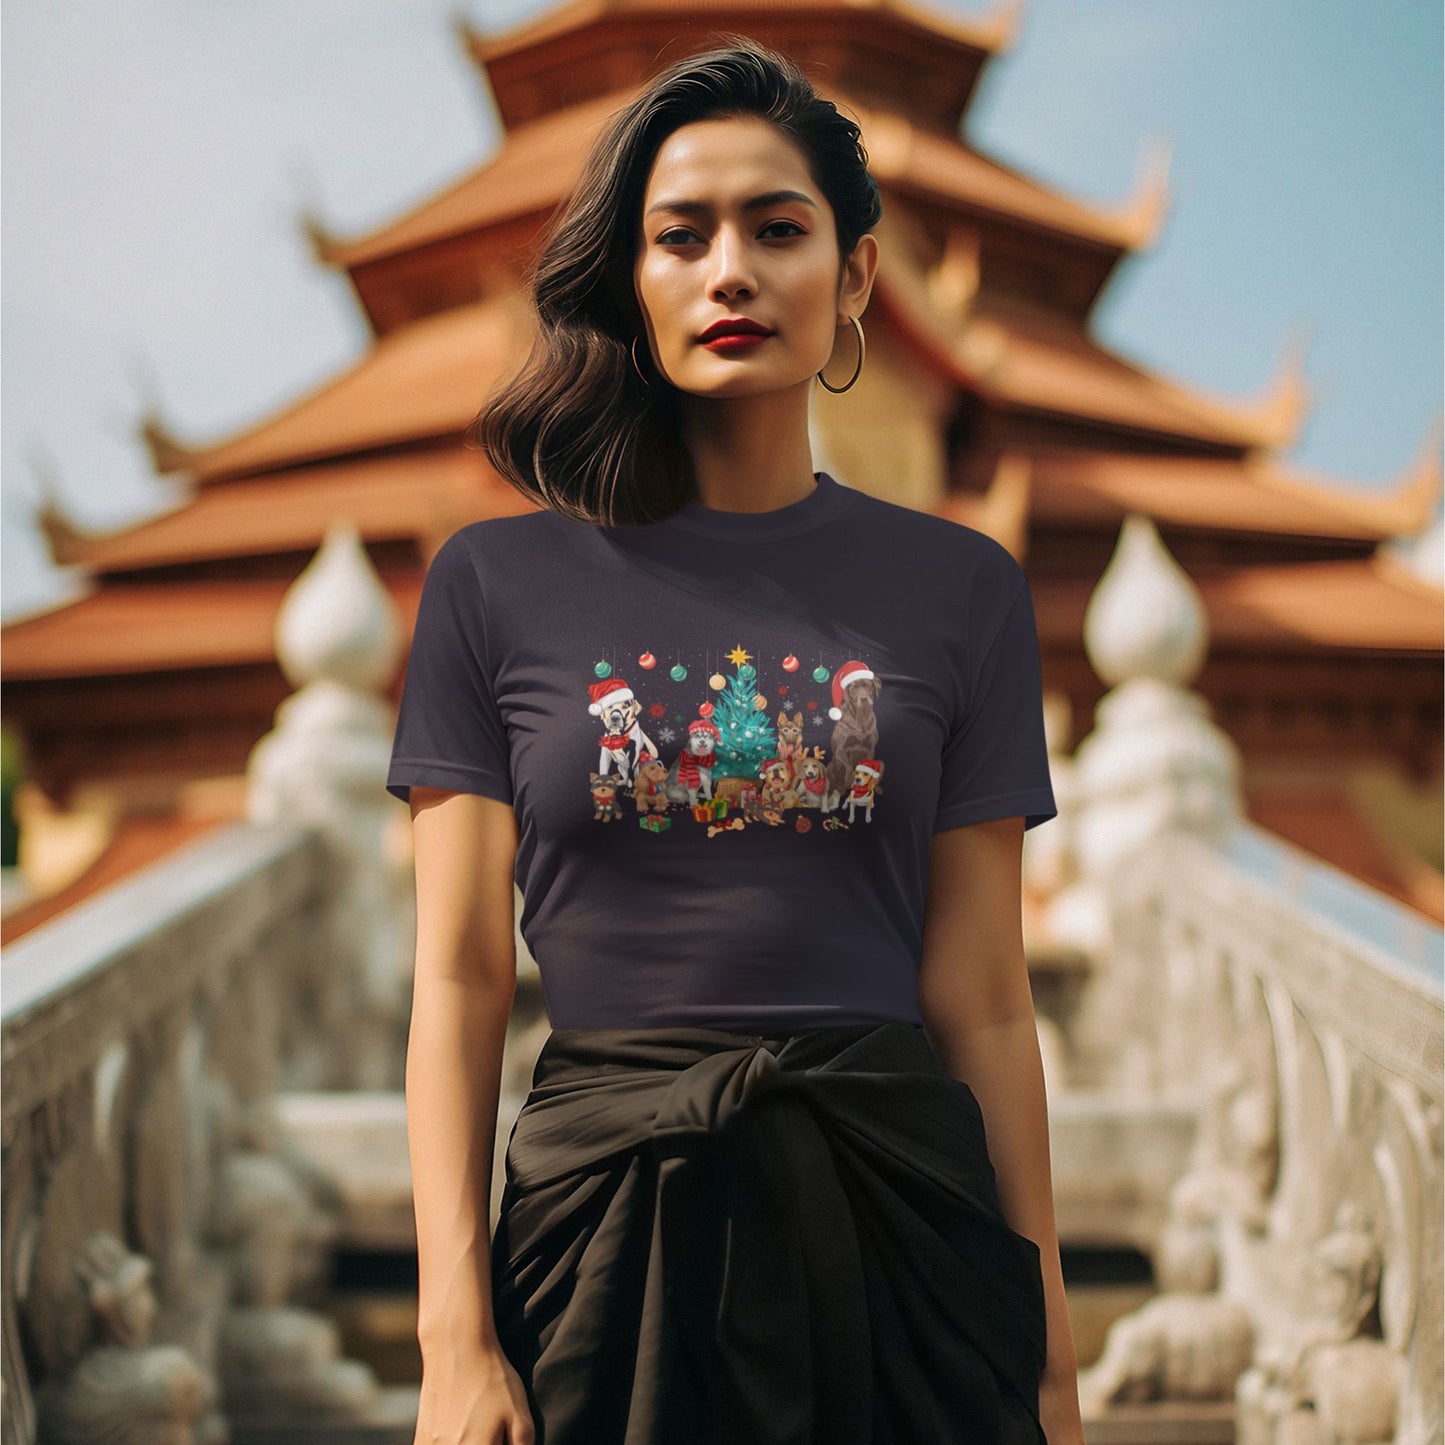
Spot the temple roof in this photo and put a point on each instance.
(1369, 606)
(422, 381)
(1226, 494)
(1365, 606)
(538, 163)
(918, 59)
(391, 496)
(427, 380)
(169, 626)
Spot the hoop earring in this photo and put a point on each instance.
(857, 370)
(635, 366)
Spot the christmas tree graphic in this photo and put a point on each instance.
(746, 739)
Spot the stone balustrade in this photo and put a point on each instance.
(1256, 1040)
(164, 1246)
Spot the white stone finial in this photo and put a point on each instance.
(1145, 618)
(337, 620)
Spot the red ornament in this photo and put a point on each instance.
(704, 709)
(790, 663)
(647, 660)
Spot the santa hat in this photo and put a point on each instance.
(849, 672)
(868, 765)
(703, 725)
(613, 690)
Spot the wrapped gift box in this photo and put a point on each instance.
(654, 822)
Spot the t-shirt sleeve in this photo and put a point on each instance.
(449, 731)
(996, 761)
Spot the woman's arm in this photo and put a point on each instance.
(978, 1013)
(466, 974)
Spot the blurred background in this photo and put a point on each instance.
(1159, 308)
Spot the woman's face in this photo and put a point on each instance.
(710, 248)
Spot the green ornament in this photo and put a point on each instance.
(679, 673)
(747, 671)
(603, 669)
(821, 673)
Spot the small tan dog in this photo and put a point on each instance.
(649, 787)
(810, 779)
(777, 783)
(866, 773)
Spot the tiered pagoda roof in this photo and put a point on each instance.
(986, 286)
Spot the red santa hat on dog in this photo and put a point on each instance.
(849, 672)
(613, 690)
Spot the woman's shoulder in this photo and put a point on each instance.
(925, 537)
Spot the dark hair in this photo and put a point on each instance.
(577, 429)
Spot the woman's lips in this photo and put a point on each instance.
(736, 341)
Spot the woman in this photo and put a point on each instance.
(738, 732)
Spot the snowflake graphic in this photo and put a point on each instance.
(665, 735)
(657, 709)
(782, 689)
(818, 720)
(812, 705)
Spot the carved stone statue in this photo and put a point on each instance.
(1324, 1379)
(126, 1390)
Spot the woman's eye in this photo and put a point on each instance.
(668, 237)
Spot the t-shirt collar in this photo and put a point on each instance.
(824, 502)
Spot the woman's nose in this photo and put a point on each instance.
(732, 270)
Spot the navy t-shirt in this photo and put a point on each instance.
(728, 738)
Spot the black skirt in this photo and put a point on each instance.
(709, 1237)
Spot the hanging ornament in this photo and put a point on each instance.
(791, 663)
(647, 660)
(760, 702)
(679, 673)
(717, 682)
(603, 669)
(705, 709)
(821, 673)
(746, 671)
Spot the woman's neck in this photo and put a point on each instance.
(751, 454)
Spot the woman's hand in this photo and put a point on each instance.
(1059, 1407)
(476, 1399)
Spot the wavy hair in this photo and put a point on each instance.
(577, 429)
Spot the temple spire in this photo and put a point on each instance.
(1142, 216)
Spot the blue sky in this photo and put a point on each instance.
(158, 157)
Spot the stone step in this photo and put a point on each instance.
(392, 1422)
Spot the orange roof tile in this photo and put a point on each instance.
(159, 627)
(1249, 494)
(914, 161)
(401, 494)
(422, 381)
(1367, 605)
(987, 32)
(538, 163)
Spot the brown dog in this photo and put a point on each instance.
(855, 728)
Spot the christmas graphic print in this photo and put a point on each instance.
(800, 754)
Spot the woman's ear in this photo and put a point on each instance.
(858, 273)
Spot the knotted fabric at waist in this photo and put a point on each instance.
(800, 1230)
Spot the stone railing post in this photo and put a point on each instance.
(338, 639)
